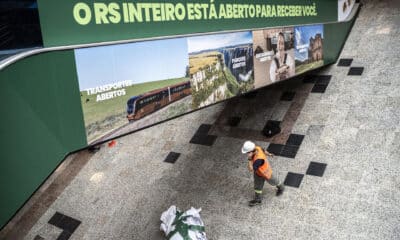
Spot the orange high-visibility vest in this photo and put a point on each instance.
(264, 170)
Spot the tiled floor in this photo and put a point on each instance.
(337, 153)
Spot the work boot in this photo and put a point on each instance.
(256, 201)
(279, 189)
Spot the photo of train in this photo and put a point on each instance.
(142, 105)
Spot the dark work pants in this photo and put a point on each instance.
(259, 182)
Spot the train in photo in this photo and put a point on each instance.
(142, 105)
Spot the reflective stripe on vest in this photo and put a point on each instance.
(264, 170)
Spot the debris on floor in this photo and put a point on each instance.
(112, 143)
(178, 225)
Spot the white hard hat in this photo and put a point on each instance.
(248, 146)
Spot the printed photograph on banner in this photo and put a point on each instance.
(344, 9)
(220, 66)
(129, 86)
(309, 41)
(273, 55)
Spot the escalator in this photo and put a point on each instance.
(19, 27)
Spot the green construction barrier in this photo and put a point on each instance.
(86, 21)
(43, 122)
(335, 38)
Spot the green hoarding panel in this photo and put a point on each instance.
(42, 122)
(77, 22)
(43, 119)
(335, 38)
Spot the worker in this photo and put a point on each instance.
(259, 165)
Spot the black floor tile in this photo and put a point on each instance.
(234, 121)
(295, 139)
(172, 157)
(250, 95)
(69, 224)
(288, 96)
(197, 139)
(56, 219)
(319, 88)
(345, 62)
(323, 80)
(275, 149)
(210, 139)
(293, 179)
(207, 140)
(64, 222)
(203, 129)
(289, 151)
(64, 235)
(356, 71)
(316, 169)
(310, 79)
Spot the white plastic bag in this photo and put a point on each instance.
(182, 226)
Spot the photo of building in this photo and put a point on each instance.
(309, 42)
